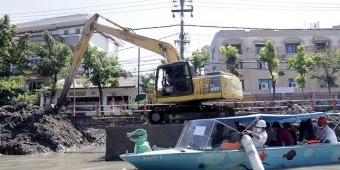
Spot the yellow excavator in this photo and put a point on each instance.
(177, 95)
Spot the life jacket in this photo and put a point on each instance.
(233, 145)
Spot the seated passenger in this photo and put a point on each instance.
(324, 133)
(306, 126)
(217, 135)
(271, 135)
(283, 136)
(259, 134)
(292, 131)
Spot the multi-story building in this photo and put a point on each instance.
(254, 74)
(67, 30)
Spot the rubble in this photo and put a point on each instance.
(25, 129)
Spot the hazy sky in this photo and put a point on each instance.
(152, 13)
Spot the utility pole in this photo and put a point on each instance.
(182, 36)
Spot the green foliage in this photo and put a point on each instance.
(10, 88)
(102, 69)
(198, 59)
(231, 53)
(21, 52)
(148, 81)
(302, 64)
(329, 63)
(29, 98)
(12, 52)
(268, 55)
(7, 32)
(54, 59)
(54, 56)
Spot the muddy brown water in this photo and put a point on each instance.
(90, 159)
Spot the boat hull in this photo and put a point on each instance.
(272, 158)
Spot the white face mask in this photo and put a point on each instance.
(257, 130)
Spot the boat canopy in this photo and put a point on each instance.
(281, 118)
(207, 134)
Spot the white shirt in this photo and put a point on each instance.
(326, 133)
(263, 138)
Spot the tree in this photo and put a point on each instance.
(302, 65)
(102, 70)
(21, 52)
(12, 52)
(268, 55)
(54, 58)
(231, 53)
(198, 59)
(329, 63)
(148, 81)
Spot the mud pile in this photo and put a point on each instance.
(25, 129)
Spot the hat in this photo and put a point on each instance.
(261, 123)
(322, 121)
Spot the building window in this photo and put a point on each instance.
(34, 85)
(77, 30)
(239, 65)
(66, 32)
(321, 46)
(258, 48)
(292, 83)
(238, 47)
(242, 82)
(265, 84)
(34, 61)
(324, 84)
(291, 48)
(262, 65)
(213, 55)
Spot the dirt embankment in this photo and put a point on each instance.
(24, 129)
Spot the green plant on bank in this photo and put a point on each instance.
(29, 98)
(13, 90)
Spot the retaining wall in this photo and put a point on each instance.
(117, 143)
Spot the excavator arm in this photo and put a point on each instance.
(91, 25)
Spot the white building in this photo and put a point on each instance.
(254, 73)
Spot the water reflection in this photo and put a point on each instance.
(80, 160)
(90, 159)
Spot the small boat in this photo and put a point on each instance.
(195, 148)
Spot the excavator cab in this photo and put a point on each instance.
(174, 79)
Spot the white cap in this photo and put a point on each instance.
(261, 123)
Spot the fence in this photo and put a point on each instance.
(249, 106)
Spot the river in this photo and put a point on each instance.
(92, 159)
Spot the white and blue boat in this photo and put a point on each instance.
(195, 149)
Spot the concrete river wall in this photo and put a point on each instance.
(117, 143)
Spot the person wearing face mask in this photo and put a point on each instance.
(259, 134)
(324, 133)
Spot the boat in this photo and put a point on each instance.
(195, 150)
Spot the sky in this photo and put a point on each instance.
(210, 16)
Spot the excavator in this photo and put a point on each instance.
(177, 95)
